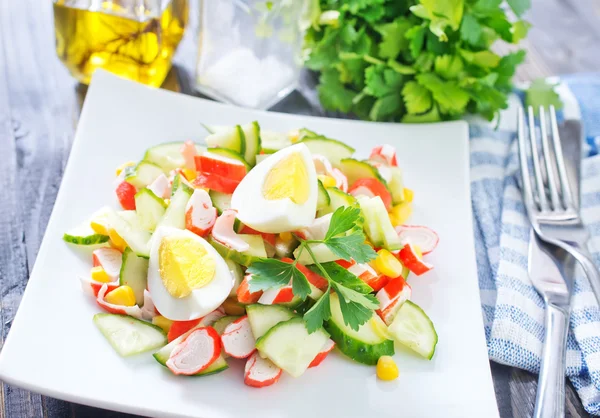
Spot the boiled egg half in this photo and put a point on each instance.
(280, 193)
(187, 278)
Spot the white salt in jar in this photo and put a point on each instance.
(249, 51)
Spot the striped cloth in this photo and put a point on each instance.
(513, 311)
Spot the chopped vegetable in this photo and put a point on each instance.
(129, 336)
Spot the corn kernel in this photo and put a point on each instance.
(400, 213)
(293, 136)
(189, 174)
(286, 236)
(116, 241)
(162, 322)
(123, 166)
(99, 228)
(387, 368)
(408, 195)
(327, 181)
(387, 264)
(100, 275)
(122, 295)
(233, 307)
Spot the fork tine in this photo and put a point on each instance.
(549, 162)
(560, 162)
(525, 175)
(535, 154)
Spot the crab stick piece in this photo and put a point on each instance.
(409, 256)
(391, 298)
(126, 195)
(200, 215)
(329, 345)
(221, 166)
(385, 154)
(238, 340)
(92, 287)
(178, 328)
(211, 318)
(425, 238)
(372, 187)
(275, 296)
(109, 259)
(260, 372)
(224, 233)
(189, 152)
(133, 311)
(196, 352)
(340, 179)
(243, 293)
(267, 237)
(148, 310)
(161, 187)
(368, 275)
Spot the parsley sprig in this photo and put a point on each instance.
(345, 238)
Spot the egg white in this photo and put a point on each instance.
(201, 301)
(281, 215)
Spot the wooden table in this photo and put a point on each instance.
(39, 107)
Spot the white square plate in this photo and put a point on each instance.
(55, 349)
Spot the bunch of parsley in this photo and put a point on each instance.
(411, 60)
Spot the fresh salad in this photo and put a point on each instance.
(271, 248)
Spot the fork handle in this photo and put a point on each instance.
(550, 399)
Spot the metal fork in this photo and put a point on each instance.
(552, 207)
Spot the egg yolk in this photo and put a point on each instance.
(288, 178)
(184, 265)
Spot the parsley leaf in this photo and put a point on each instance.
(470, 30)
(448, 66)
(416, 97)
(332, 93)
(320, 311)
(356, 308)
(343, 219)
(271, 273)
(393, 37)
(519, 6)
(451, 98)
(542, 93)
(351, 247)
(416, 35)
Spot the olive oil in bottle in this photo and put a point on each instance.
(134, 42)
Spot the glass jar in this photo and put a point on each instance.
(135, 39)
(249, 51)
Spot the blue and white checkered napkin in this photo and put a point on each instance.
(513, 311)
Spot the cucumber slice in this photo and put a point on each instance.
(334, 150)
(144, 173)
(321, 251)
(261, 157)
(412, 328)
(365, 345)
(231, 137)
(136, 237)
(221, 201)
(84, 235)
(221, 323)
(323, 199)
(253, 142)
(256, 251)
(149, 208)
(354, 170)
(396, 185)
(264, 317)
(337, 198)
(377, 225)
(272, 141)
(175, 214)
(290, 346)
(238, 276)
(233, 155)
(129, 336)
(163, 355)
(179, 181)
(134, 273)
(168, 156)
